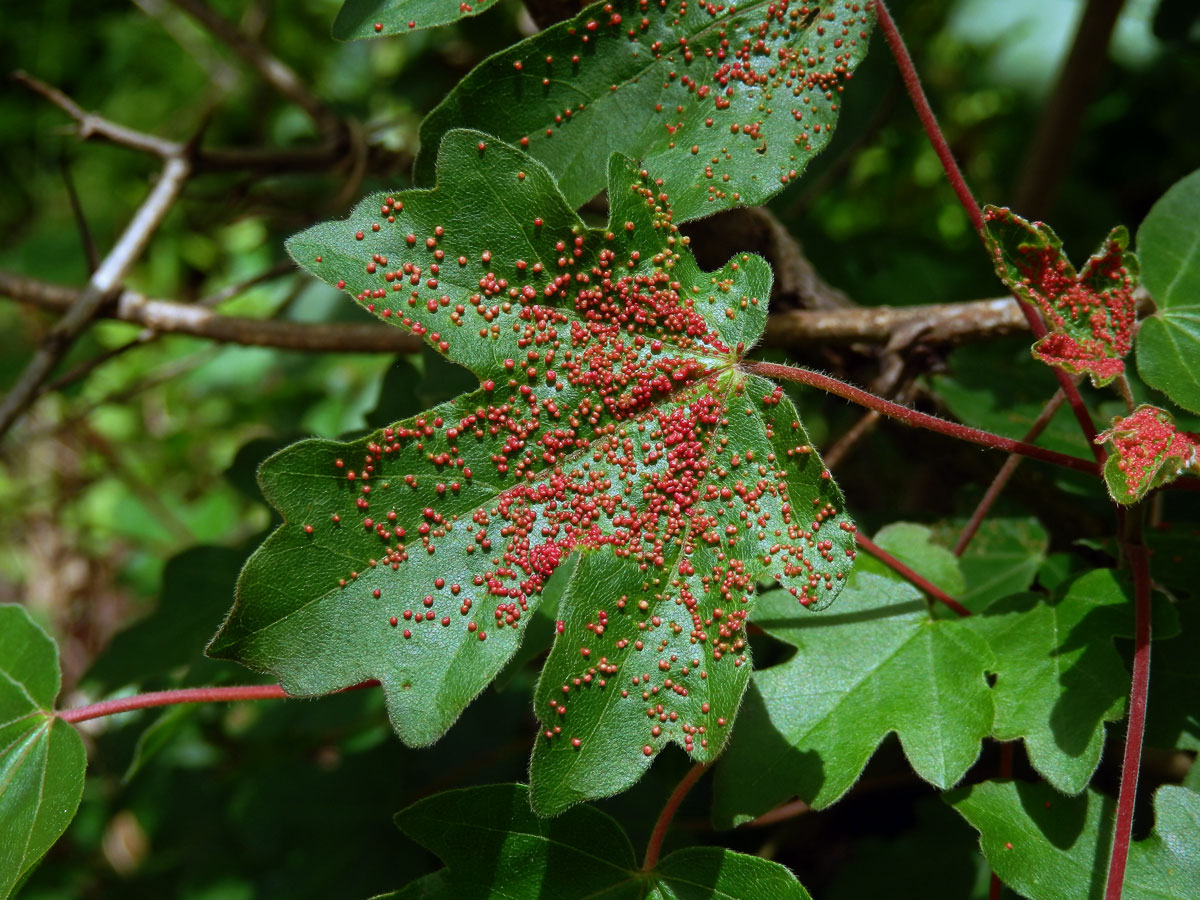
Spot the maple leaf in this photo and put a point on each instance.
(1059, 677)
(1050, 847)
(726, 103)
(369, 18)
(42, 759)
(582, 854)
(611, 420)
(1148, 451)
(1090, 315)
(879, 663)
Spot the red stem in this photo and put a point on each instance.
(1006, 472)
(924, 584)
(1130, 766)
(954, 175)
(668, 813)
(912, 84)
(185, 695)
(918, 419)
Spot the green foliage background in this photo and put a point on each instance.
(128, 504)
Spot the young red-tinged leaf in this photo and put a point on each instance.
(1168, 342)
(1049, 847)
(1090, 315)
(1059, 677)
(41, 757)
(494, 846)
(725, 103)
(878, 663)
(369, 18)
(1147, 451)
(611, 419)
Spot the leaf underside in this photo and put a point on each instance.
(1090, 315)
(725, 104)
(612, 420)
(494, 846)
(42, 759)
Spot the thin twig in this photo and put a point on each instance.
(85, 233)
(918, 580)
(915, 418)
(192, 319)
(101, 285)
(668, 812)
(90, 125)
(277, 74)
(936, 324)
(1006, 472)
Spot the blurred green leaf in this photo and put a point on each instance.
(42, 759)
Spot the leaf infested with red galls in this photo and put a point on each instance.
(611, 420)
(1147, 451)
(1091, 316)
(726, 102)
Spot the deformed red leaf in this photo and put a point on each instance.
(1148, 451)
(1090, 314)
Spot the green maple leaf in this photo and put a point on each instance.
(1168, 342)
(368, 18)
(726, 104)
(1051, 847)
(1091, 315)
(880, 663)
(612, 419)
(1148, 452)
(1059, 677)
(42, 759)
(913, 545)
(494, 846)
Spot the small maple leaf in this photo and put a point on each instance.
(612, 421)
(1091, 315)
(1148, 451)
